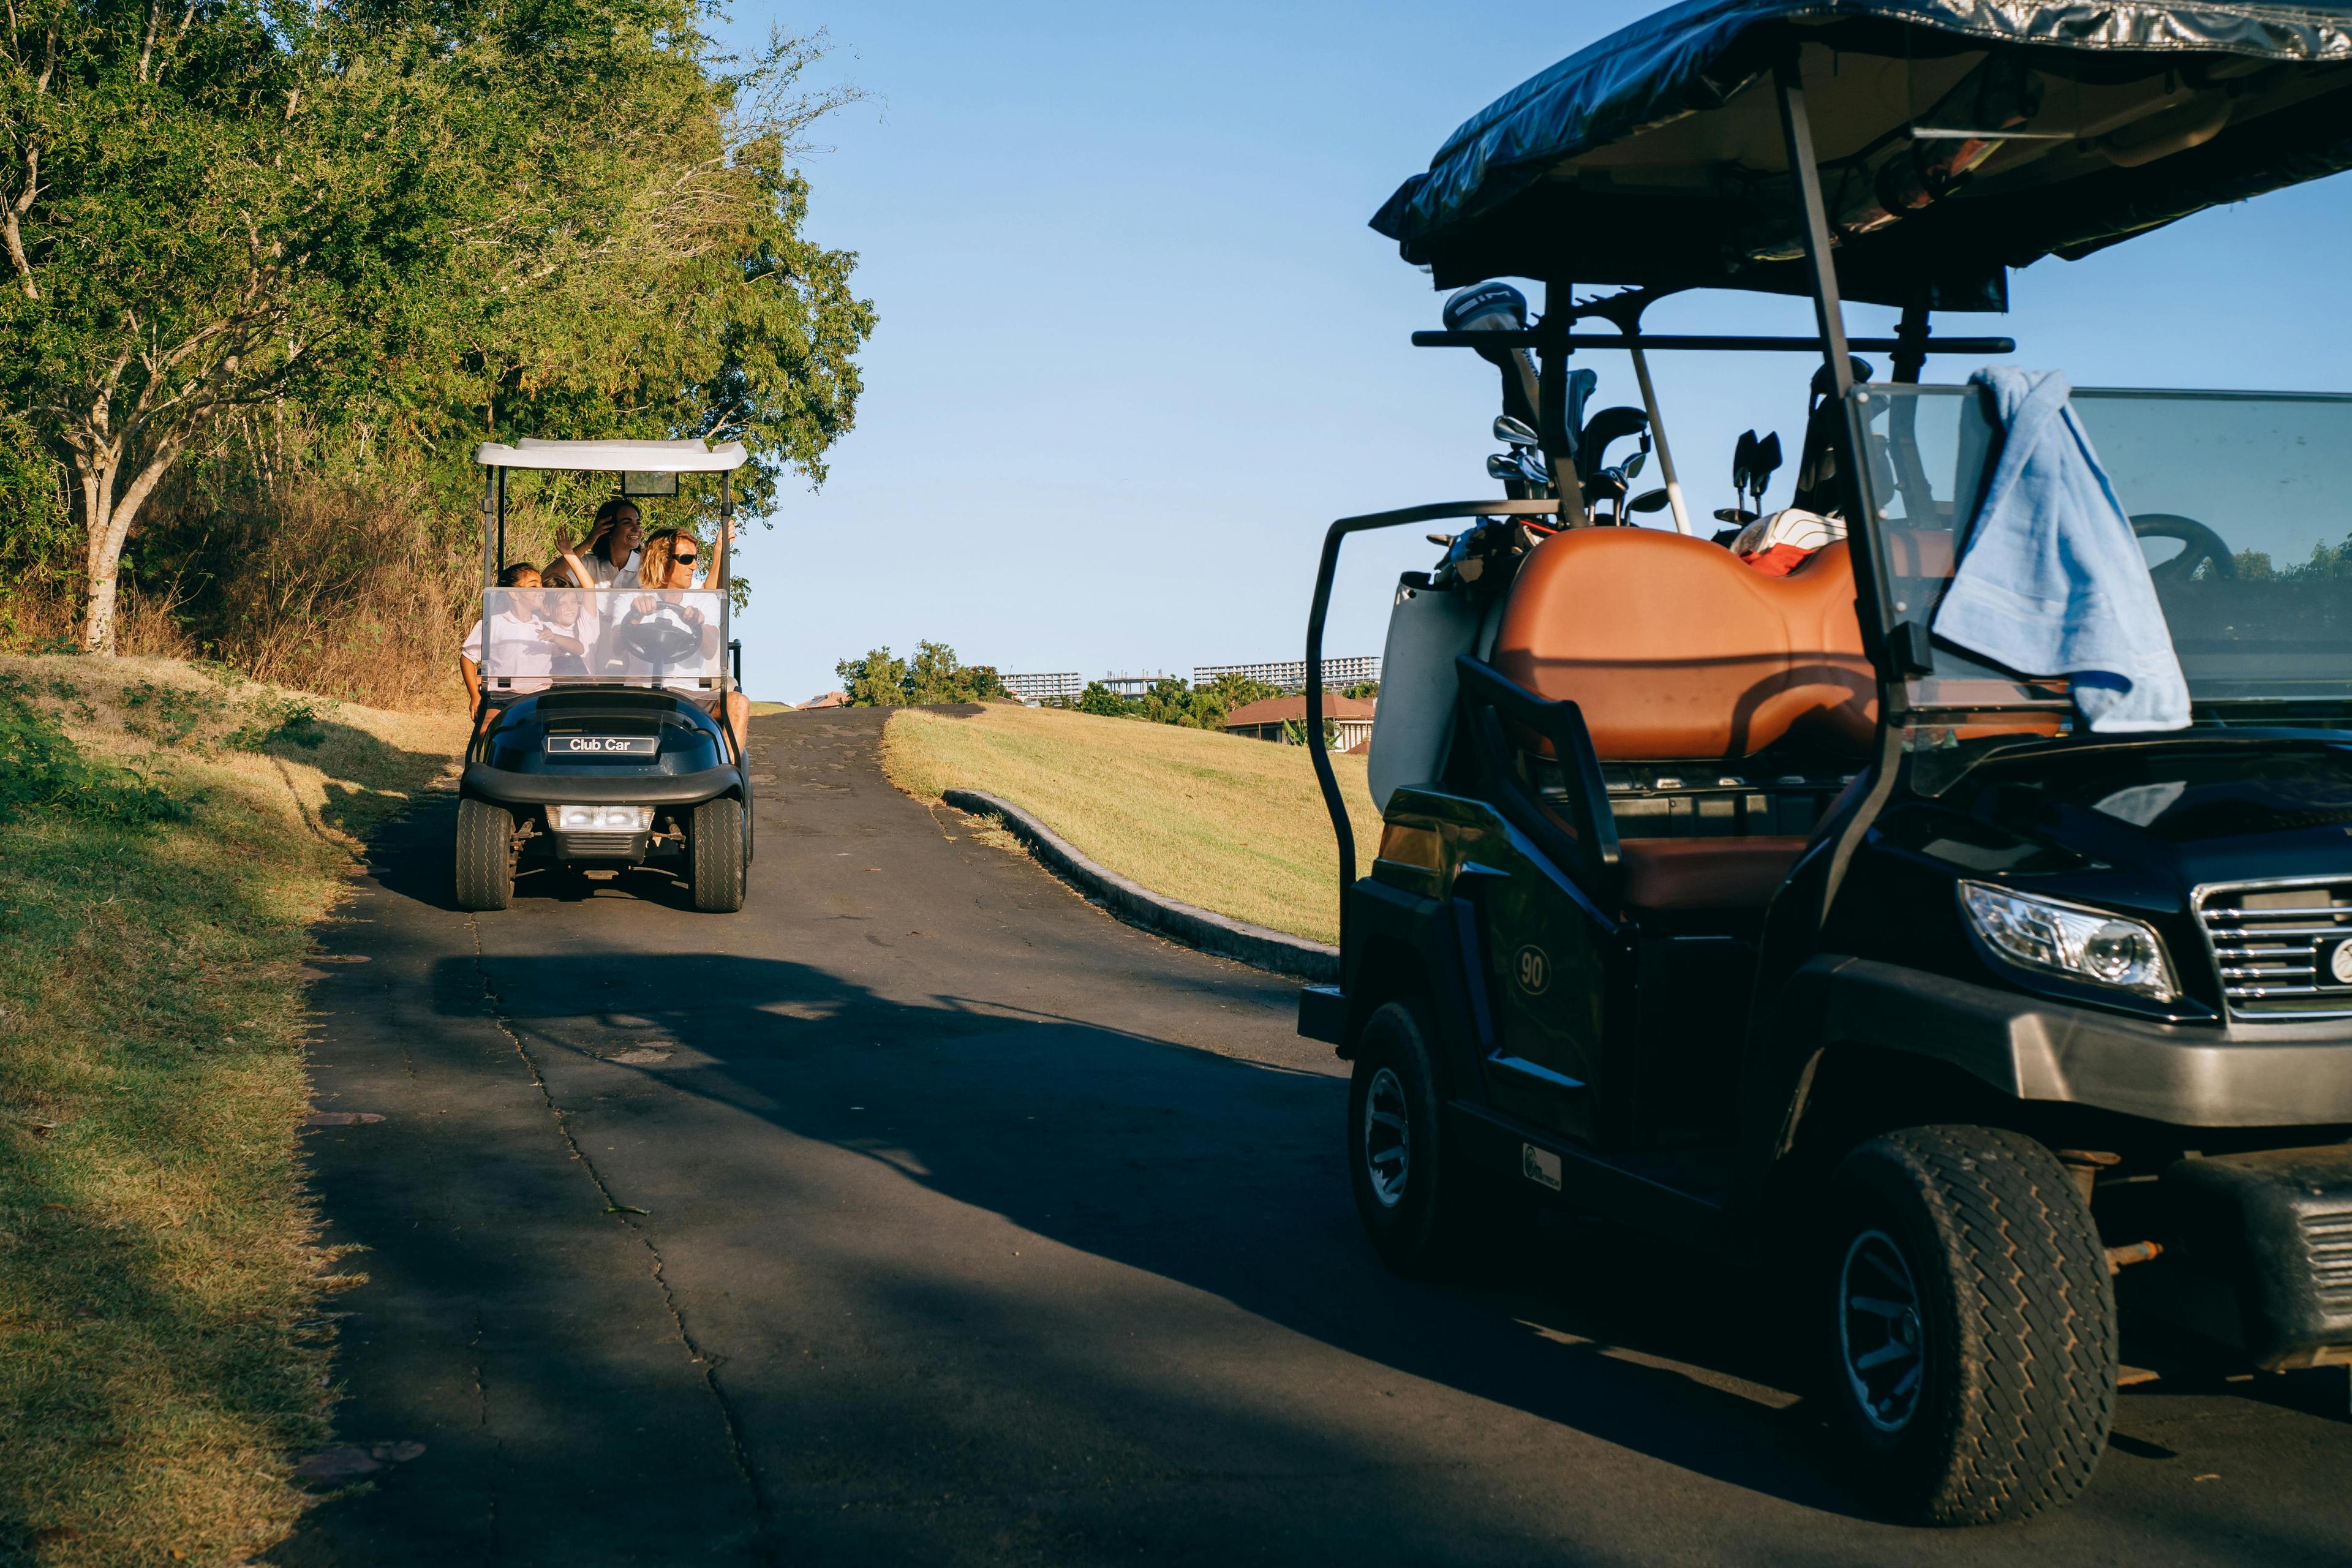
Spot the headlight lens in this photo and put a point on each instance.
(2069, 940)
(602, 818)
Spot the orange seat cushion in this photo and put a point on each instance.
(1673, 648)
(1705, 873)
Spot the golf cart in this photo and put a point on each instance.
(1750, 908)
(601, 738)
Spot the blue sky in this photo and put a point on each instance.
(1138, 346)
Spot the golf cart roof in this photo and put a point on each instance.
(1655, 157)
(622, 457)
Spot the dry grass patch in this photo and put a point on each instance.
(161, 1292)
(1230, 825)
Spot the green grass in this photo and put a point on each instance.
(1230, 825)
(167, 835)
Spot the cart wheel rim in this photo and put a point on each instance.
(1882, 1340)
(1387, 1138)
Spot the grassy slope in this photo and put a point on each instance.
(1230, 825)
(159, 1282)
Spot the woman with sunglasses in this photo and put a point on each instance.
(665, 563)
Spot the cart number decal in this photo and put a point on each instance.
(1533, 969)
(2339, 963)
(602, 746)
(1540, 1166)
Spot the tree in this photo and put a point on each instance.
(934, 676)
(441, 221)
(877, 680)
(1101, 700)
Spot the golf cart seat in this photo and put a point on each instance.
(1675, 651)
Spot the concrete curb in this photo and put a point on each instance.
(1222, 935)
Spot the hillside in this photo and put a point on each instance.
(1227, 823)
(168, 834)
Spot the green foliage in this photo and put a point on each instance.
(2328, 563)
(877, 680)
(933, 675)
(244, 243)
(166, 714)
(1364, 692)
(44, 773)
(1172, 700)
(287, 718)
(1100, 699)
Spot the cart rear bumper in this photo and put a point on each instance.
(617, 788)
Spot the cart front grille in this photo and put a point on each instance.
(599, 843)
(2329, 1238)
(2276, 946)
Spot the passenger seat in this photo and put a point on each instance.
(1677, 653)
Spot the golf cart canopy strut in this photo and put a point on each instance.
(1954, 141)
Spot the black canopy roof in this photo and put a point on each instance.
(1956, 138)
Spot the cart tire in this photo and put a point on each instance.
(720, 853)
(1415, 1193)
(486, 855)
(1971, 1342)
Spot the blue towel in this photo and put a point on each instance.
(2052, 580)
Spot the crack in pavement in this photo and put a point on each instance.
(762, 1515)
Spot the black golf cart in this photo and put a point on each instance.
(601, 738)
(1748, 907)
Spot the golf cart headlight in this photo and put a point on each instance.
(2069, 940)
(602, 818)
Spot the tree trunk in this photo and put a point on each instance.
(106, 517)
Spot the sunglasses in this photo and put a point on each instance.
(685, 558)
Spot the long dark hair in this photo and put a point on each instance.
(607, 516)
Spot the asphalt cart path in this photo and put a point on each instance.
(922, 1214)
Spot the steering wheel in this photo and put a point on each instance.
(2199, 546)
(662, 642)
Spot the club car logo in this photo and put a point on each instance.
(1532, 968)
(2339, 963)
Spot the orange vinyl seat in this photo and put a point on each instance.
(1674, 649)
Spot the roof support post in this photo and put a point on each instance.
(1864, 546)
(1911, 342)
(1797, 132)
(490, 480)
(503, 521)
(1558, 440)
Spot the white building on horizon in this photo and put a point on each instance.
(1290, 675)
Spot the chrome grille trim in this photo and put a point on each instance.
(2269, 961)
(2328, 1238)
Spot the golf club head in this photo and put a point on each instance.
(1738, 516)
(1515, 432)
(1648, 500)
(1635, 464)
(1743, 461)
(1487, 307)
(1503, 465)
(1767, 461)
(1532, 466)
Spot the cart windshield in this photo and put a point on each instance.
(532, 638)
(2243, 502)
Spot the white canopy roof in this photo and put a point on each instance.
(621, 457)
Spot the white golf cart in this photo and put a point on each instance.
(602, 734)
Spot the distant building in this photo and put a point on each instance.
(1275, 718)
(1290, 675)
(830, 700)
(1132, 685)
(1036, 688)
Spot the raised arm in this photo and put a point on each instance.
(717, 577)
